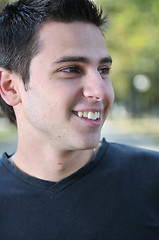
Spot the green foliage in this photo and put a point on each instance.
(132, 39)
(4, 2)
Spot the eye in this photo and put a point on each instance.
(104, 70)
(71, 69)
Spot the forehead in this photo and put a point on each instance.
(77, 38)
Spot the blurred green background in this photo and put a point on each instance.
(132, 38)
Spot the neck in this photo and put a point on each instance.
(46, 163)
(40, 157)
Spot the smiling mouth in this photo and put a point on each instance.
(88, 115)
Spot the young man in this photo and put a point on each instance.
(62, 182)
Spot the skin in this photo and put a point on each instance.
(71, 73)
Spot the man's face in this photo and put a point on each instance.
(70, 92)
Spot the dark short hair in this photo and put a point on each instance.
(19, 24)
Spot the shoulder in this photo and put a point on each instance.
(130, 167)
(127, 157)
(130, 152)
(122, 151)
(6, 168)
(132, 159)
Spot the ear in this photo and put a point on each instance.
(8, 87)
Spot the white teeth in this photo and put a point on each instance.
(89, 115)
(85, 115)
(80, 114)
(96, 115)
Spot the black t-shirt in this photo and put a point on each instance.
(113, 197)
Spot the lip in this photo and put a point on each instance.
(88, 110)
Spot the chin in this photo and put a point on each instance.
(89, 143)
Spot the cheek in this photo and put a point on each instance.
(35, 111)
(53, 102)
(36, 108)
(46, 111)
(110, 93)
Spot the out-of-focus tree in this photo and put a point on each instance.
(4, 2)
(132, 39)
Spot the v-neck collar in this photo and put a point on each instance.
(55, 186)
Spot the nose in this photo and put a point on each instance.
(95, 87)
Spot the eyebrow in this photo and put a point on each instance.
(81, 59)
